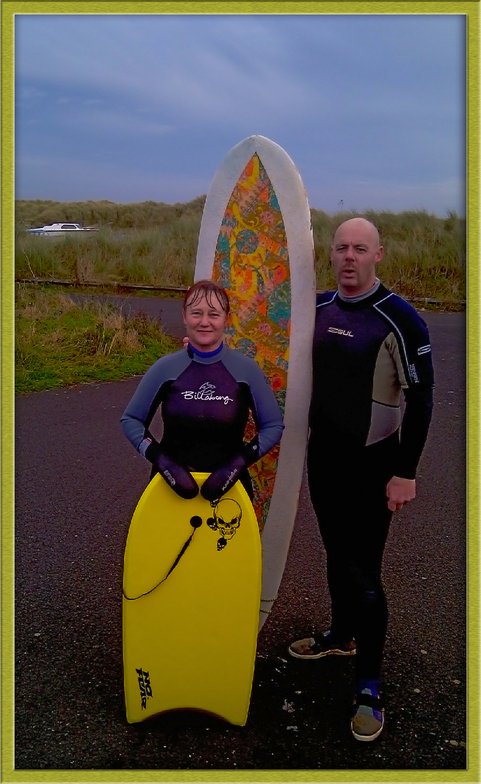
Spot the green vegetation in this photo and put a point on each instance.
(147, 243)
(140, 215)
(155, 244)
(59, 342)
(424, 256)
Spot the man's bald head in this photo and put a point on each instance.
(364, 226)
(355, 251)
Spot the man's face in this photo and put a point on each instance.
(355, 252)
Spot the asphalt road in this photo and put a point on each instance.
(77, 483)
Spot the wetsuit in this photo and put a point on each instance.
(367, 352)
(206, 399)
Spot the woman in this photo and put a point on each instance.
(206, 392)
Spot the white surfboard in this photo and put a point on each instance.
(256, 239)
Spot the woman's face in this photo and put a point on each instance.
(204, 322)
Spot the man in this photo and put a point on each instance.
(370, 346)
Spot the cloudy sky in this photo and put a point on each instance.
(144, 107)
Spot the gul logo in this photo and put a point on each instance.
(144, 685)
(207, 393)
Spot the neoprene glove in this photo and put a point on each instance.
(222, 479)
(177, 477)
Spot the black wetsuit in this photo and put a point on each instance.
(366, 354)
(206, 399)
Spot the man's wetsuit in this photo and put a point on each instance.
(206, 399)
(367, 351)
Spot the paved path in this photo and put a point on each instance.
(77, 483)
(168, 312)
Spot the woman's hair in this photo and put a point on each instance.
(207, 289)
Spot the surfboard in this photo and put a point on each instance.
(256, 240)
(191, 597)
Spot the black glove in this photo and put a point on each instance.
(177, 477)
(221, 480)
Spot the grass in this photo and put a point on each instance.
(155, 257)
(155, 244)
(59, 342)
(424, 256)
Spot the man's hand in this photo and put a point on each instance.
(400, 491)
(185, 342)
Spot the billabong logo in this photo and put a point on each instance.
(144, 685)
(206, 392)
(337, 331)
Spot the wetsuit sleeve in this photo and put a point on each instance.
(414, 429)
(267, 416)
(417, 379)
(147, 398)
(264, 406)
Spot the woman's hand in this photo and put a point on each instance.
(222, 479)
(177, 477)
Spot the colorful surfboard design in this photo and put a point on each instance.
(252, 263)
(191, 595)
(256, 240)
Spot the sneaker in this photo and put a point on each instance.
(367, 720)
(321, 644)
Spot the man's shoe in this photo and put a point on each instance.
(321, 644)
(367, 720)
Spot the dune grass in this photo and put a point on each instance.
(159, 257)
(155, 244)
(60, 342)
(424, 256)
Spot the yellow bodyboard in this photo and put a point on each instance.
(190, 637)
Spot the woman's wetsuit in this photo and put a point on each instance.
(206, 399)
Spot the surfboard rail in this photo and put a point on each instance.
(226, 200)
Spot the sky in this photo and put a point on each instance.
(131, 108)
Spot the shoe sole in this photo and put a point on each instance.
(321, 655)
(374, 735)
(367, 737)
